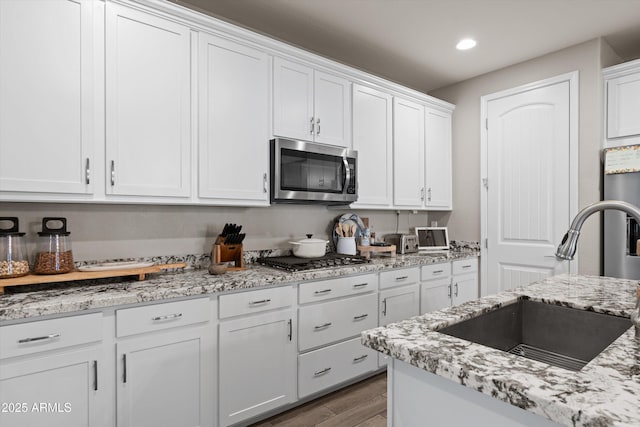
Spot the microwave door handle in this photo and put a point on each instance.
(347, 174)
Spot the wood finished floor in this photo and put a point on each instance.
(363, 404)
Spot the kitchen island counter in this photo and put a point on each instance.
(70, 297)
(606, 392)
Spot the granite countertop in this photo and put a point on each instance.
(97, 294)
(604, 393)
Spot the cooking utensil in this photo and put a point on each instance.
(354, 227)
(309, 248)
(339, 230)
(346, 229)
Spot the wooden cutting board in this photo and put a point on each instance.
(36, 279)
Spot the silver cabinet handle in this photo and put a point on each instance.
(87, 172)
(113, 173)
(95, 375)
(290, 329)
(264, 183)
(326, 325)
(384, 307)
(456, 294)
(360, 285)
(360, 359)
(322, 372)
(167, 317)
(362, 316)
(402, 277)
(124, 368)
(317, 126)
(466, 266)
(322, 292)
(438, 272)
(422, 194)
(449, 291)
(429, 194)
(312, 125)
(262, 301)
(42, 338)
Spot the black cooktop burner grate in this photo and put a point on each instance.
(292, 263)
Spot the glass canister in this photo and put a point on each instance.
(14, 261)
(54, 248)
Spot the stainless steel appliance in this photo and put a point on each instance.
(405, 243)
(306, 172)
(621, 231)
(292, 263)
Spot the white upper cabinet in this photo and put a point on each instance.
(622, 87)
(148, 104)
(408, 154)
(310, 105)
(234, 121)
(372, 138)
(46, 96)
(438, 160)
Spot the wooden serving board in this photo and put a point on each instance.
(36, 279)
(366, 251)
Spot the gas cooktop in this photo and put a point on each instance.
(292, 263)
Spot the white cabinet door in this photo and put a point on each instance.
(398, 304)
(234, 121)
(258, 367)
(464, 288)
(332, 109)
(61, 390)
(438, 160)
(292, 100)
(148, 104)
(161, 379)
(372, 133)
(46, 96)
(435, 295)
(408, 154)
(623, 104)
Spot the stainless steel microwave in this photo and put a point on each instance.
(307, 172)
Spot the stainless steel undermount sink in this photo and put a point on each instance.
(556, 335)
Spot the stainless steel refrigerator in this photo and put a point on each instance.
(621, 232)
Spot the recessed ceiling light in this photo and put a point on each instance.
(465, 44)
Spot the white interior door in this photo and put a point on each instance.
(528, 190)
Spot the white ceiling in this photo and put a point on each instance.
(413, 42)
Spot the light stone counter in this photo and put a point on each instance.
(606, 392)
(90, 295)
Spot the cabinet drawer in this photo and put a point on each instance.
(390, 279)
(157, 317)
(332, 365)
(321, 324)
(335, 288)
(256, 301)
(44, 335)
(435, 271)
(465, 266)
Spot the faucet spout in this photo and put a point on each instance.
(567, 248)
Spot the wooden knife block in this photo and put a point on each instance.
(221, 252)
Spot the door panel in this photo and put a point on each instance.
(528, 184)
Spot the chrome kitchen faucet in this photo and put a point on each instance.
(567, 248)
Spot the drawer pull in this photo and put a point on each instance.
(322, 292)
(167, 317)
(438, 271)
(42, 338)
(95, 375)
(322, 372)
(362, 316)
(466, 266)
(326, 325)
(360, 285)
(360, 359)
(402, 277)
(262, 301)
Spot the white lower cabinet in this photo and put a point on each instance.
(52, 373)
(165, 370)
(257, 363)
(445, 285)
(331, 365)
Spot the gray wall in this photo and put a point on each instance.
(588, 58)
(103, 231)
